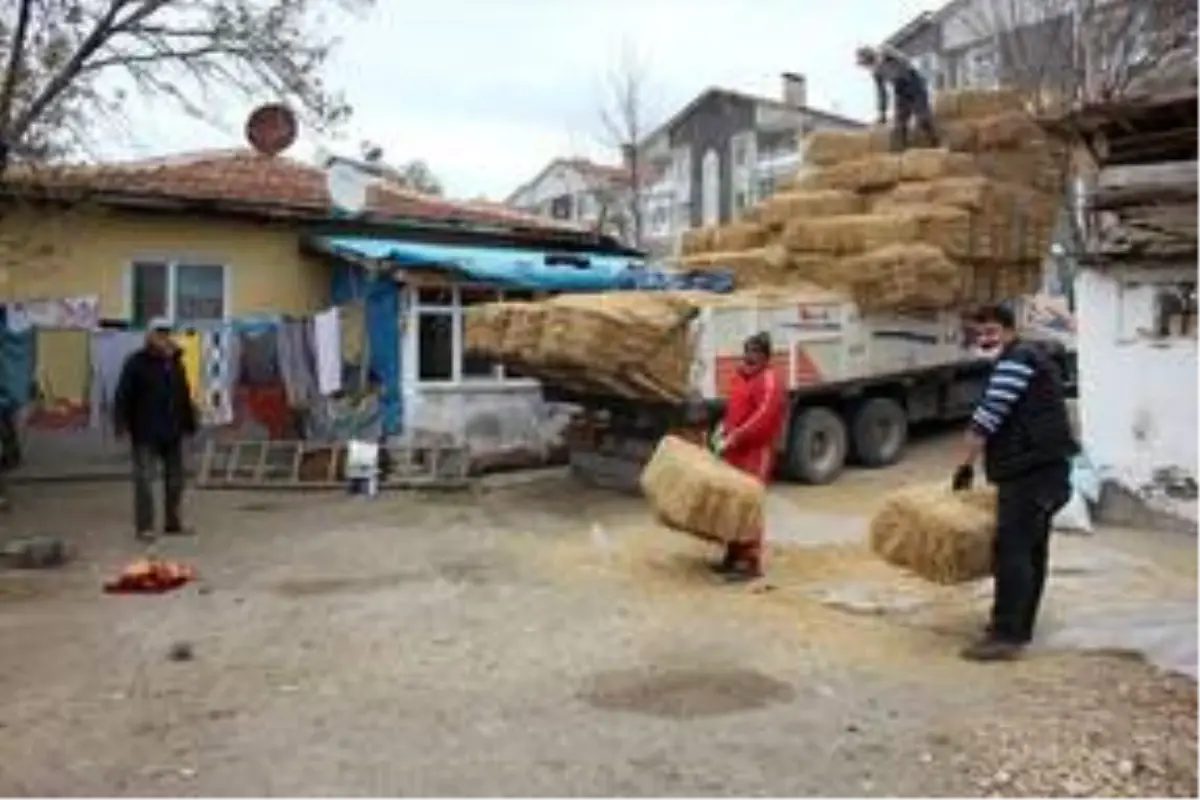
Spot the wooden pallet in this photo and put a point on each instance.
(293, 464)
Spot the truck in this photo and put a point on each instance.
(856, 383)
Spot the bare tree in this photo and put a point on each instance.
(623, 126)
(1061, 52)
(71, 64)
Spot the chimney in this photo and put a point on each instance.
(795, 89)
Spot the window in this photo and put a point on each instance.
(739, 152)
(1157, 310)
(560, 207)
(439, 326)
(981, 67)
(710, 188)
(179, 291)
(739, 202)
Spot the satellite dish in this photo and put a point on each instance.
(347, 187)
(271, 129)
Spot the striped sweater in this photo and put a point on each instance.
(1007, 385)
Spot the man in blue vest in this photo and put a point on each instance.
(1022, 430)
(892, 70)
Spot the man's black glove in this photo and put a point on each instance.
(964, 477)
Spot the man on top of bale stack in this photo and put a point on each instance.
(889, 66)
(1022, 430)
(754, 418)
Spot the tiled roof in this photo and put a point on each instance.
(244, 178)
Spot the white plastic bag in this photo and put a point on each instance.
(1074, 516)
(1085, 488)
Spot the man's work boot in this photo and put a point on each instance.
(726, 565)
(990, 648)
(178, 530)
(744, 572)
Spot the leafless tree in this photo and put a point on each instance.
(1062, 52)
(623, 125)
(71, 64)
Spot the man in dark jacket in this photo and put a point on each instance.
(1022, 430)
(891, 69)
(154, 407)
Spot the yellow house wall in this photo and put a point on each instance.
(52, 253)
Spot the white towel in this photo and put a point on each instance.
(328, 345)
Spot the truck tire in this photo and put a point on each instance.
(816, 450)
(879, 432)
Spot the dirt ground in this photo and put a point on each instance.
(542, 639)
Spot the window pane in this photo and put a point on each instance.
(199, 292)
(149, 290)
(435, 347)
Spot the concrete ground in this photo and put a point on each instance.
(545, 640)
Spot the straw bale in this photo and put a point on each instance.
(691, 490)
(874, 172)
(826, 148)
(941, 536)
(1038, 168)
(483, 328)
(696, 240)
(958, 135)
(780, 208)
(1010, 130)
(523, 332)
(902, 277)
(737, 236)
(975, 103)
(850, 234)
(927, 164)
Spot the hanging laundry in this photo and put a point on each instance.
(189, 353)
(297, 363)
(62, 368)
(109, 350)
(351, 331)
(258, 364)
(327, 335)
(69, 313)
(218, 354)
(16, 369)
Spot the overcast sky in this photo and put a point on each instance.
(488, 92)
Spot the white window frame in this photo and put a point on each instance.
(982, 66)
(173, 263)
(455, 310)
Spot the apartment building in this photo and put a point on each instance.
(578, 191)
(722, 153)
(710, 161)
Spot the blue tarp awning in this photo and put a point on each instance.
(524, 269)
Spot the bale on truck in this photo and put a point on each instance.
(860, 275)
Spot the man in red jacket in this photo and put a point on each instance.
(754, 417)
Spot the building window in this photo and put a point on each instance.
(739, 152)
(710, 188)
(739, 202)
(981, 67)
(561, 207)
(439, 323)
(180, 291)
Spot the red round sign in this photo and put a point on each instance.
(271, 129)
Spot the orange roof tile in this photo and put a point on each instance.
(244, 177)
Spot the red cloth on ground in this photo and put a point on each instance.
(754, 419)
(150, 577)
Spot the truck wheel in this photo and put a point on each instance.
(879, 432)
(816, 450)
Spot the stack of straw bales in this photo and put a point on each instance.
(693, 491)
(945, 537)
(637, 345)
(924, 229)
